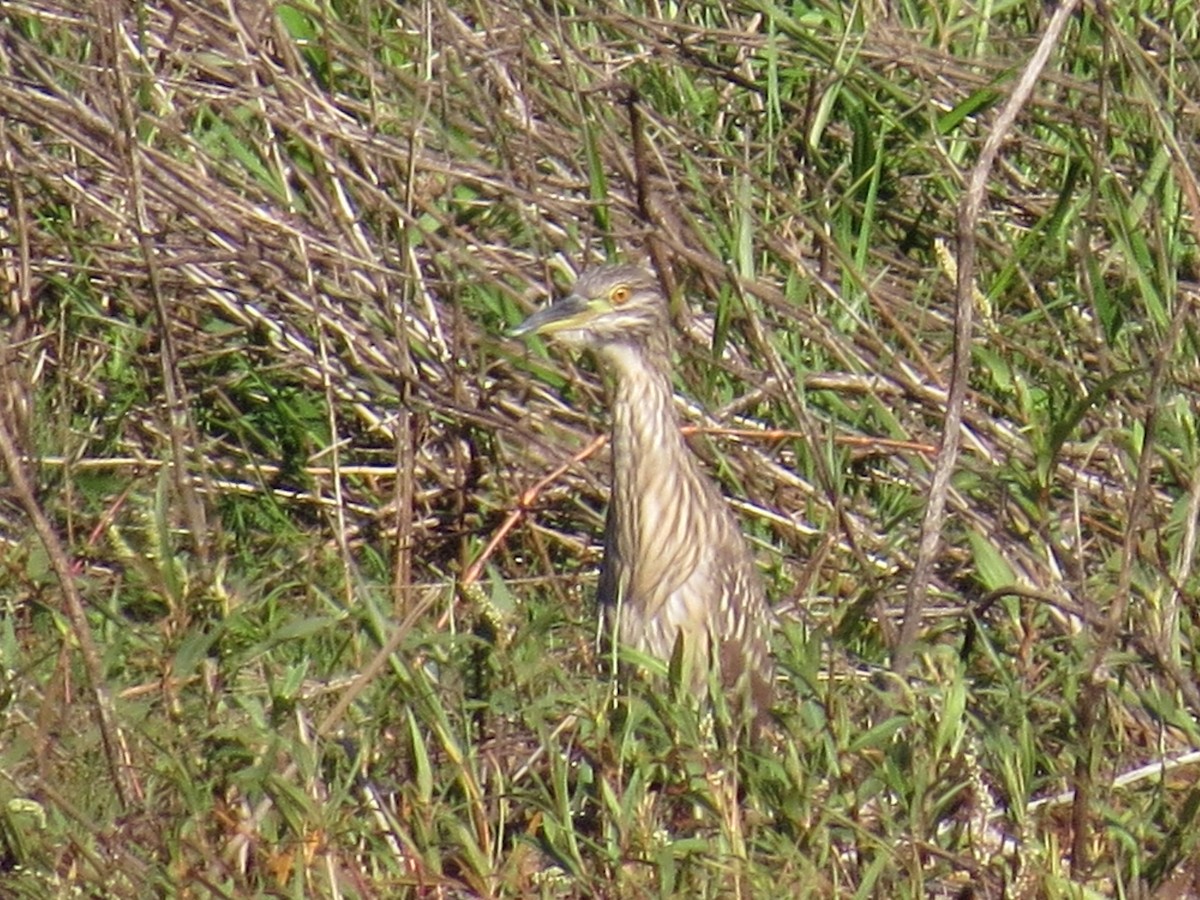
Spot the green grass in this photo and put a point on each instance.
(315, 227)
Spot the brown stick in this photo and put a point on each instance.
(524, 504)
(180, 430)
(968, 220)
(116, 751)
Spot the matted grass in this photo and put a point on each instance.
(298, 548)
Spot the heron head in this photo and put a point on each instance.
(608, 305)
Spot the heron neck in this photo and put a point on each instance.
(653, 471)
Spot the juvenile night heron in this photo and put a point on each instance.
(676, 567)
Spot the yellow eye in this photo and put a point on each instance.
(619, 294)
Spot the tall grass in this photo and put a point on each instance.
(332, 536)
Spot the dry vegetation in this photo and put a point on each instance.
(296, 548)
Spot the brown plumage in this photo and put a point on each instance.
(676, 565)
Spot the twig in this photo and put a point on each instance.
(404, 444)
(116, 750)
(524, 504)
(173, 392)
(968, 220)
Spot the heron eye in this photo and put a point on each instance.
(619, 294)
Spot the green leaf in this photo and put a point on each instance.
(950, 726)
(423, 773)
(878, 736)
(991, 568)
(978, 101)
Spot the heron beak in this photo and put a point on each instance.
(570, 312)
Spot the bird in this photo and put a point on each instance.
(677, 575)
